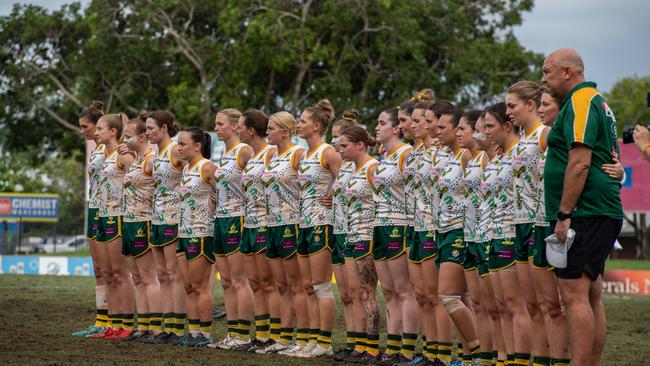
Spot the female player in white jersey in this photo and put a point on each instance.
(195, 232)
(318, 168)
(280, 179)
(228, 228)
(522, 102)
(422, 266)
(341, 249)
(121, 302)
(390, 241)
(137, 159)
(500, 129)
(252, 127)
(87, 124)
(170, 262)
(360, 271)
(452, 248)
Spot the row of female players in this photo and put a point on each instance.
(452, 228)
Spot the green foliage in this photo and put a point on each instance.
(627, 98)
(195, 57)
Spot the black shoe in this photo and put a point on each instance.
(174, 339)
(342, 354)
(401, 360)
(161, 338)
(217, 313)
(368, 359)
(386, 359)
(146, 337)
(257, 344)
(355, 356)
(135, 335)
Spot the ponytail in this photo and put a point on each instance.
(199, 136)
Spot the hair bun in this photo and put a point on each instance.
(97, 105)
(372, 141)
(350, 115)
(326, 106)
(143, 115)
(423, 95)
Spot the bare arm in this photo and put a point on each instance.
(574, 182)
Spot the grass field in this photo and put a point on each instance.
(38, 313)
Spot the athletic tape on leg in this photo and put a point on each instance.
(451, 303)
(324, 290)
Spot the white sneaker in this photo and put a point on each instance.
(226, 342)
(275, 347)
(320, 351)
(306, 351)
(291, 350)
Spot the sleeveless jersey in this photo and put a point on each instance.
(228, 179)
(95, 162)
(526, 175)
(451, 193)
(540, 208)
(254, 189)
(441, 157)
(138, 191)
(488, 188)
(111, 186)
(315, 181)
(389, 189)
(361, 206)
(339, 202)
(197, 209)
(503, 225)
(423, 221)
(472, 194)
(166, 177)
(282, 189)
(409, 171)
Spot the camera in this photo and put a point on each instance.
(628, 130)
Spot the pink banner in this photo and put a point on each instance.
(636, 187)
(626, 282)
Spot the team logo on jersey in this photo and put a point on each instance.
(139, 234)
(454, 253)
(287, 233)
(507, 241)
(233, 229)
(318, 230)
(262, 229)
(395, 233)
(458, 243)
(317, 238)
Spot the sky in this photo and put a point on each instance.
(610, 35)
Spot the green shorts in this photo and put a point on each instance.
(361, 249)
(539, 248)
(348, 253)
(282, 241)
(451, 247)
(254, 240)
(163, 235)
(483, 254)
(423, 246)
(338, 249)
(196, 247)
(524, 242)
(312, 240)
(502, 254)
(109, 228)
(227, 235)
(410, 236)
(92, 222)
(389, 242)
(471, 256)
(135, 239)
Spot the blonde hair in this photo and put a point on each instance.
(285, 120)
(527, 90)
(232, 114)
(349, 118)
(322, 113)
(116, 121)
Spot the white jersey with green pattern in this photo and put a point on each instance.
(409, 171)
(282, 190)
(228, 181)
(502, 224)
(95, 162)
(540, 207)
(315, 182)
(451, 193)
(138, 191)
(526, 175)
(197, 206)
(423, 219)
(111, 187)
(254, 189)
(472, 191)
(361, 205)
(441, 157)
(339, 202)
(166, 177)
(389, 189)
(487, 207)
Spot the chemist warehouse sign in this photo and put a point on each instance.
(39, 207)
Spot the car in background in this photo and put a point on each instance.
(62, 244)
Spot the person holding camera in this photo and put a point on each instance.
(641, 137)
(581, 196)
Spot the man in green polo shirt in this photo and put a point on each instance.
(580, 195)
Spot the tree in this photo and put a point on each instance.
(628, 101)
